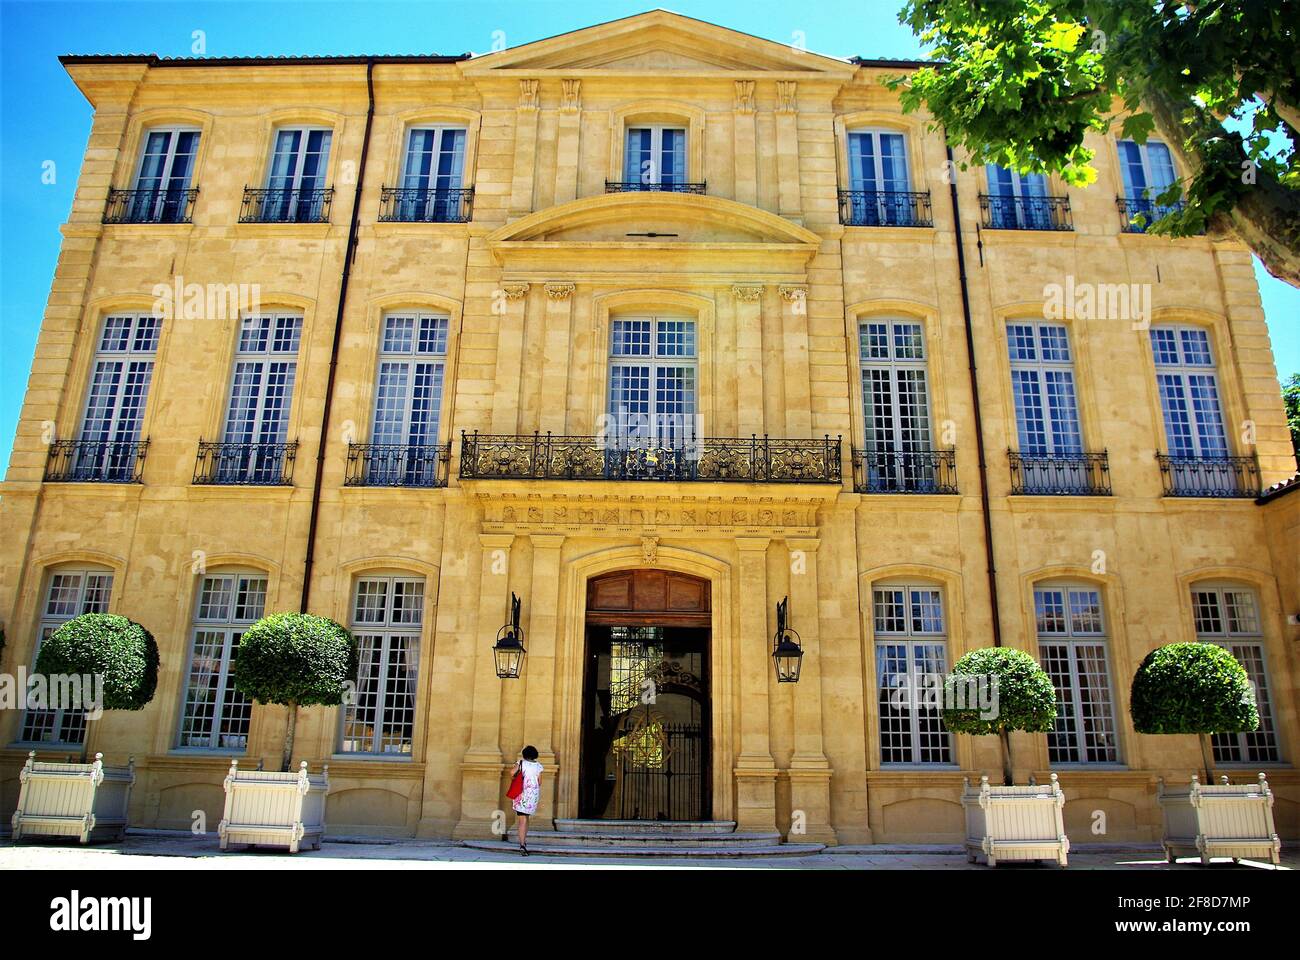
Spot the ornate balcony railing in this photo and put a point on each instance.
(885, 208)
(1209, 476)
(245, 464)
(150, 206)
(737, 460)
(96, 461)
(1131, 208)
(286, 206)
(877, 470)
(425, 205)
(1026, 213)
(397, 465)
(636, 186)
(1060, 474)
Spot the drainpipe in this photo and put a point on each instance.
(979, 445)
(349, 254)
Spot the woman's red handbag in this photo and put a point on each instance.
(516, 785)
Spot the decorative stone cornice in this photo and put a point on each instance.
(514, 291)
(746, 293)
(528, 98)
(559, 291)
(570, 96)
(744, 96)
(786, 96)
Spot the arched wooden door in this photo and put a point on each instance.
(645, 734)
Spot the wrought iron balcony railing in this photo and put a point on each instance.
(737, 460)
(636, 186)
(397, 465)
(245, 464)
(1209, 476)
(286, 206)
(96, 461)
(150, 206)
(1060, 474)
(877, 470)
(885, 208)
(1026, 213)
(1138, 213)
(425, 205)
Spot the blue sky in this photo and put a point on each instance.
(44, 118)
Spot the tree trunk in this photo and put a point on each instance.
(1004, 741)
(1266, 217)
(1207, 758)
(287, 758)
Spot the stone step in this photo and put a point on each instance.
(648, 827)
(542, 838)
(674, 851)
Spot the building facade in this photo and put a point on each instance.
(653, 326)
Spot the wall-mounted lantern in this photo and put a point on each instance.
(787, 651)
(509, 649)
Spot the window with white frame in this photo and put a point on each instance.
(299, 163)
(1042, 387)
(1189, 392)
(652, 381)
(655, 155)
(1228, 615)
(895, 404)
(163, 179)
(878, 179)
(214, 715)
(261, 393)
(1147, 169)
(1072, 645)
(433, 170)
(1017, 201)
(115, 402)
(408, 399)
(387, 614)
(69, 594)
(911, 641)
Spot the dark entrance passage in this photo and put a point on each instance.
(645, 750)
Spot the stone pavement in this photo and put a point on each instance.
(157, 851)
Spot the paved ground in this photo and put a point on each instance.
(183, 852)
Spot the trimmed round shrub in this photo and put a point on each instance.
(1018, 695)
(1192, 688)
(119, 650)
(296, 658)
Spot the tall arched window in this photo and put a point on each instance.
(69, 593)
(897, 452)
(1228, 614)
(387, 615)
(911, 639)
(109, 445)
(1071, 626)
(214, 715)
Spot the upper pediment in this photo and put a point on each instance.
(657, 42)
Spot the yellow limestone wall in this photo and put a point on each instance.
(777, 287)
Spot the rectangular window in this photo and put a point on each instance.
(911, 662)
(879, 179)
(652, 382)
(897, 449)
(261, 394)
(215, 716)
(387, 615)
(115, 402)
(70, 594)
(163, 180)
(1190, 404)
(1018, 200)
(1042, 382)
(655, 155)
(1147, 169)
(296, 178)
(432, 175)
(1072, 648)
(1229, 616)
(408, 400)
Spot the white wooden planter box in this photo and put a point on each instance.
(84, 800)
(1220, 820)
(1014, 823)
(265, 808)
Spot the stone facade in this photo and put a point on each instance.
(777, 287)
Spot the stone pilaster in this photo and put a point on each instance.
(787, 151)
(555, 346)
(794, 361)
(567, 141)
(539, 672)
(745, 143)
(513, 300)
(521, 183)
(749, 358)
(755, 772)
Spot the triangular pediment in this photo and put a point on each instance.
(658, 42)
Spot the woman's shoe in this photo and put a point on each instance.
(523, 849)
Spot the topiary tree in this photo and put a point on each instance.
(120, 651)
(1020, 697)
(1197, 688)
(297, 660)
